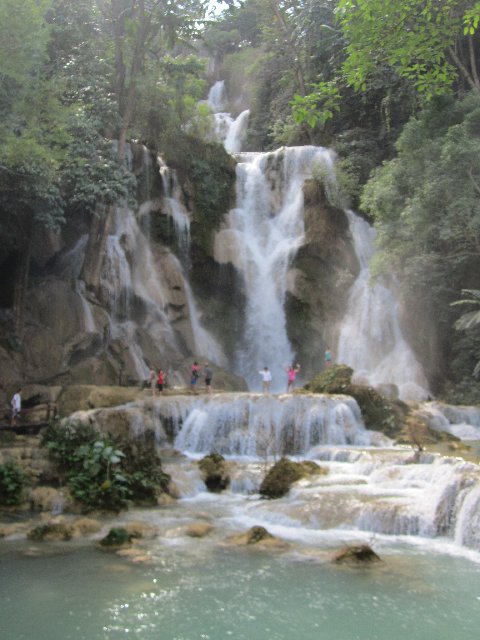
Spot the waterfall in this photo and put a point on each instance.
(260, 238)
(370, 337)
(230, 131)
(175, 209)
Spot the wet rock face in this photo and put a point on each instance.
(322, 272)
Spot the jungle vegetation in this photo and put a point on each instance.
(392, 85)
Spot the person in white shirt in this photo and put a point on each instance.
(266, 379)
(16, 405)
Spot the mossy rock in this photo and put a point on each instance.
(214, 472)
(336, 379)
(258, 534)
(357, 554)
(116, 537)
(50, 532)
(284, 473)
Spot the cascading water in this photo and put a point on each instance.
(370, 338)
(230, 131)
(369, 486)
(260, 238)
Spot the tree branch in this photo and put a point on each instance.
(461, 67)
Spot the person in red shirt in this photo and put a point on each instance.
(160, 380)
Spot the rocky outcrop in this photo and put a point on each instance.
(215, 472)
(356, 554)
(284, 473)
(259, 538)
(322, 272)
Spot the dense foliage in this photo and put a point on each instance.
(12, 483)
(100, 474)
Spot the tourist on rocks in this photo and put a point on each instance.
(291, 375)
(16, 405)
(194, 375)
(161, 380)
(208, 377)
(266, 379)
(328, 357)
(152, 380)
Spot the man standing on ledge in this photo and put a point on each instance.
(208, 377)
(266, 379)
(16, 404)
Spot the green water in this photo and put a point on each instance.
(189, 594)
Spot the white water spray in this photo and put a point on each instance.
(260, 238)
(371, 340)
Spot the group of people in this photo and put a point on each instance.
(195, 374)
(266, 375)
(292, 371)
(157, 381)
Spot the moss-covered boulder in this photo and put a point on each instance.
(259, 538)
(356, 554)
(51, 532)
(215, 473)
(336, 379)
(284, 473)
(116, 537)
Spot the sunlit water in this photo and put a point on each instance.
(190, 593)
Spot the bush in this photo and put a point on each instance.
(12, 483)
(100, 471)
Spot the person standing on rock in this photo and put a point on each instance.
(16, 405)
(266, 379)
(208, 377)
(291, 375)
(194, 375)
(160, 380)
(152, 380)
(328, 357)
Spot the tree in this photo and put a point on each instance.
(33, 135)
(139, 29)
(431, 43)
(426, 207)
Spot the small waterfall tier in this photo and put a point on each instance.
(243, 424)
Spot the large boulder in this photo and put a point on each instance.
(259, 538)
(284, 473)
(215, 472)
(356, 554)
